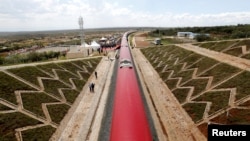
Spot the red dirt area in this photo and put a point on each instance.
(222, 119)
(3, 54)
(234, 116)
(203, 129)
(141, 40)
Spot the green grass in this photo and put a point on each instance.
(171, 83)
(223, 45)
(167, 50)
(70, 67)
(65, 76)
(9, 85)
(79, 83)
(181, 53)
(208, 45)
(230, 46)
(185, 75)
(11, 121)
(94, 61)
(240, 82)
(192, 58)
(80, 63)
(4, 108)
(85, 75)
(70, 95)
(167, 41)
(175, 68)
(48, 67)
(155, 63)
(57, 112)
(199, 85)
(220, 72)
(219, 99)
(51, 86)
(203, 64)
(195, 110)
(235, 116)
(217, 46)
(159, 69)
(246, 56)
(29, 73)
(243, 43)
(90, 69)
(164, 75)
(234, 51)
(38, 134)
(33, 102)
(207, 67)
(181, 94)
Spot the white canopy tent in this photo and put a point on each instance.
(95, 45)
(85, 45)
(103, 39)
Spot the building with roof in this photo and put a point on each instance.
(190, 35)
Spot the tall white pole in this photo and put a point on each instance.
(81, 31)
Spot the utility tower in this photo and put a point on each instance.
(80, 21)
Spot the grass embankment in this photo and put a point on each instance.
(51, 92)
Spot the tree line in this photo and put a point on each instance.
(31, 57)
(216, 32)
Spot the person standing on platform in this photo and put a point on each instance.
(95, 74)
(93, 87)
(90, 87)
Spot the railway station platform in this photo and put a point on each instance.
(84, 119)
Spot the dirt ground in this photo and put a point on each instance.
(140, 40)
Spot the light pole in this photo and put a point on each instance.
(81, 31)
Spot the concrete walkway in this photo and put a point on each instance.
(83, 122)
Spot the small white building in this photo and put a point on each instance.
(185, 34)
(190, 35)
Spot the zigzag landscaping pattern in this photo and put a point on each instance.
(34, 99)
(238, 48)
(210, 91)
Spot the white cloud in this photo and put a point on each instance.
(64, 14)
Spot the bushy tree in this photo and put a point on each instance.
(202, 37)
(1, 60)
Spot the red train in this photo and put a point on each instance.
(129, 120)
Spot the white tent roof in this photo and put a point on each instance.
(103, 39)
(85, 45)
(95, 45)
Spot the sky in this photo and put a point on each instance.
(39, 15)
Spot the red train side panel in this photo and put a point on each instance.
(129, 122)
